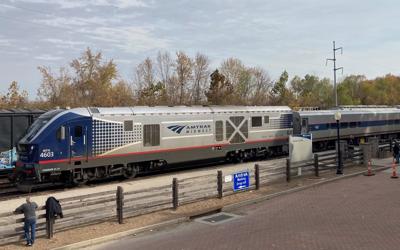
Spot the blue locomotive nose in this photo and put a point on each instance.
(26, 159)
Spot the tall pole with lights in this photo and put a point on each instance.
(335, 69)
(338, 116)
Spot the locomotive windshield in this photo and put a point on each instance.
(40, 122)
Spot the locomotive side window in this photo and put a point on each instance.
(219, 130)
(151, 135)
(78, 131)
(60, 134)
(128, 125)
(266, 119)
(256, 121)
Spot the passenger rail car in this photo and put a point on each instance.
(356, 124)
(84, 144)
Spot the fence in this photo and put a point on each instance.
(118, 205)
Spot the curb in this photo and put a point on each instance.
(230, 208)
(119, 235)
(227, 208)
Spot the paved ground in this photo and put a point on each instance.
(355, 213)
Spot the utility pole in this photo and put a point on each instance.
(335, 69)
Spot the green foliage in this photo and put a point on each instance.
(349, 90)
(311, 91)
(280, 94)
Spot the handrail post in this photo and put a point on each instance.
(257, 176)
(287, 170)
(316, 165)
(120, 204)
(219, 184)
(175, 193)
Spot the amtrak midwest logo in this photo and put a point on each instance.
(190, 129)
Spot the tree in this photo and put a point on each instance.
(220, 90)
(200, 77)
(165, 70)
(122, 94)
(280, 94)
(310, 91)
(261, 85)
(239, 77)
(93, 78)
(349, 90)
(183, 69)
(14, 97)
(56, 90)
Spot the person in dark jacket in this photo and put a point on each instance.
(29, 211)
(53, 208)
(396, 152)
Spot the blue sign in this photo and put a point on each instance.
(307, 136)
(241, 180)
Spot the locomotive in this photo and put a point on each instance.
(83, 144)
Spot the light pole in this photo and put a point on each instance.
(338, 116)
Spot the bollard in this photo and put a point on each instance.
(257, 176)
(369, 170)
(120, 204)
(175, 193)
(219, 184)
(287, 170)
(394, 173)
(316, 165)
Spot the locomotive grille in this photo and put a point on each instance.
(108, 135)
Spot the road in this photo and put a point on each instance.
(354, 213)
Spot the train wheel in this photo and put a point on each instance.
(77, 179)
(131, 171)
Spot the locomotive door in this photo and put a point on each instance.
(77, 140)
(304, 126)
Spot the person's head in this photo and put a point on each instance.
(28, 199)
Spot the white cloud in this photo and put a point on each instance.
(65, 44)
(70, 4)
(123, 61)
(65, 22)
(130, 39)
(48, 57)
(5, 42)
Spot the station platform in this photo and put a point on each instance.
(351, 213)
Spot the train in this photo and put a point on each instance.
(84, 144)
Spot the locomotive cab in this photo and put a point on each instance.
(28, 149)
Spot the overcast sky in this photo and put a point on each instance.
(276, 35)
